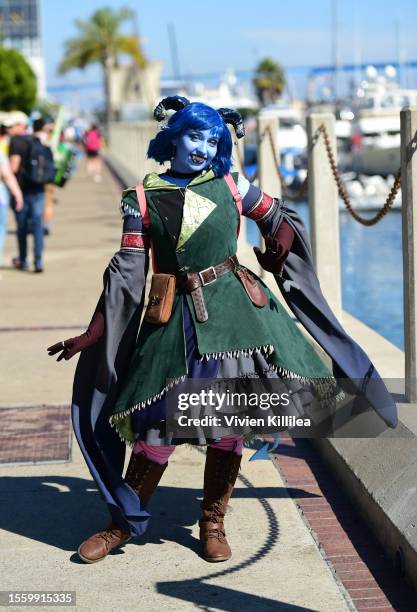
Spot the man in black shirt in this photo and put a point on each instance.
(33, 194)
(16, 124)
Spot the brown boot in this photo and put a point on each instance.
(220, 475)
(143, 476)
(98, 546)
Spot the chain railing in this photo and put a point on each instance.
(300, 194)
(342, 189)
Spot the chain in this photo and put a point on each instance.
(299, 195)
(342, 189)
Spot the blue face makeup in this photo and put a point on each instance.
(194, 150)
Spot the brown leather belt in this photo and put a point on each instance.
(193, 283)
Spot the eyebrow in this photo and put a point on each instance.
(199, 132)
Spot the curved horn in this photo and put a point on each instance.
(234, 118)
(175, 103)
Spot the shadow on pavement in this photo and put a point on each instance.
(213, 597)
(62, 511)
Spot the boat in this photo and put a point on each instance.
(292, 139)
(368, 193)
(375, 137)
(229, 93)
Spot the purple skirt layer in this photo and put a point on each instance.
(149, 423)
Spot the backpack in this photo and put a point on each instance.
(40, 167)
(92, 141)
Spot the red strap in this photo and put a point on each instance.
(143, 205)
(236, 196)
(146, 220)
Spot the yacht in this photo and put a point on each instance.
(375, 131)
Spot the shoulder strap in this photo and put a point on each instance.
(236, 196)
(143, 205)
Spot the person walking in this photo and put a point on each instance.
(93, 144)
(8, 183)
(32, 163)
(50, 188)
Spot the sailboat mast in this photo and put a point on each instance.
(174, 51)
(335, 48)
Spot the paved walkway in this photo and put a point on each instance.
(47, 509)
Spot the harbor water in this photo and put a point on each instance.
(372, 275)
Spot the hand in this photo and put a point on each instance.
(277, 249)
(18, 199)
(271, 259)
(70, 347)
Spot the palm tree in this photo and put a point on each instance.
(269, 80)
(100, 40)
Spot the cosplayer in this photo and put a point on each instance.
(207, 317)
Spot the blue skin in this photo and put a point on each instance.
(202, 143)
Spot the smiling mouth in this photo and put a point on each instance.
(197, 159)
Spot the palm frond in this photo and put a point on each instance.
(130, 45)
(100, 38)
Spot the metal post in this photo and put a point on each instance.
(409, 231)
(324, 210)
(267, 172)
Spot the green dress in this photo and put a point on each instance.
(235, 326)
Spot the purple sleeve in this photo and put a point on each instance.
(250, 199)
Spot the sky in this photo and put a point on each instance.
(215, 35)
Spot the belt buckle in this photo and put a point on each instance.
(200, 274)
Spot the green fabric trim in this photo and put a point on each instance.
(154, 181)
(129, 202)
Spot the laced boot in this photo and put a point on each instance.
(98, 546)
(143, 476)
(220, 475)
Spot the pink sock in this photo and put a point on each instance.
(230, 443)
(155, 453)
(161, 454)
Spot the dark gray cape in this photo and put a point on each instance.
(101, 366)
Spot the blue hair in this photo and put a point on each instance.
(197, 116)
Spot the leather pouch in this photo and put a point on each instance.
(254, 290)
(161, 299)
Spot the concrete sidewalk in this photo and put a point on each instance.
(46, 510)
